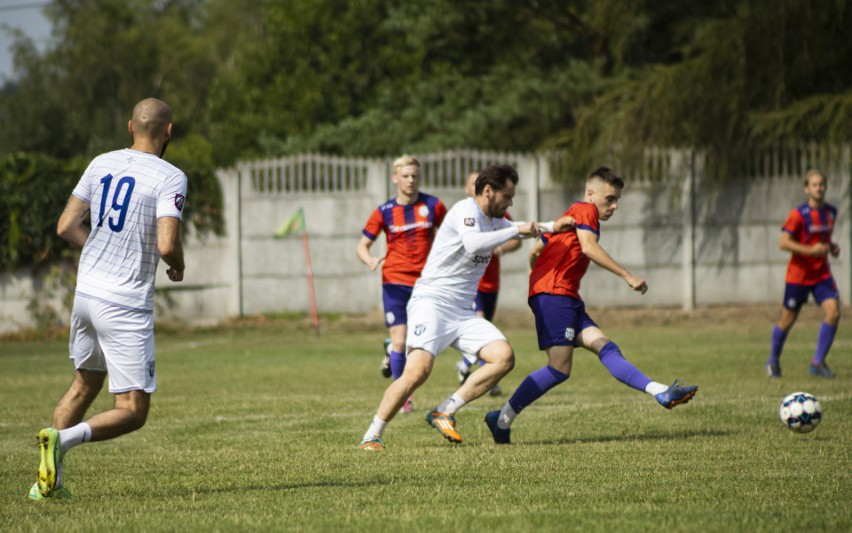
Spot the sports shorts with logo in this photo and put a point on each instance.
(434, 325)
(113, 339)
(559, 319)
(395, 299)
(795, 295)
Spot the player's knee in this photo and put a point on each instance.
(832, 316)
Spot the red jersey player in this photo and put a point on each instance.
(409, 222)
(559, 261)
(807, 234)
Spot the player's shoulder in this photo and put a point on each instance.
(390, 203)
(830, 208)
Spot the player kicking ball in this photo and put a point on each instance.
(558, 263)
(440, 313)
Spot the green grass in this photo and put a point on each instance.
(255, 427)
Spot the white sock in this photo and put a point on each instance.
(655, 388)
(70, 437)
(507, 416)
(451, 405)
(376, 429)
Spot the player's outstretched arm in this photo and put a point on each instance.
(70, 226)
(592, 250)
(170, 246)
(364, 255)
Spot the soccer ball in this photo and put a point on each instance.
(800, 412)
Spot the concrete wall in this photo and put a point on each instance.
(696, 242)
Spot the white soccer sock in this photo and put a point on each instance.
(655, 388)
(507, 416)
(70, 437)
(451, 405)
(376, 429)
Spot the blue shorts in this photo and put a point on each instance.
(796, 295)
(559, 319)
(485, 303)
(395, 298)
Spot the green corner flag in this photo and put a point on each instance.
(293, 225)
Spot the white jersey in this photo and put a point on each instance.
(127, 192)
(453, 270)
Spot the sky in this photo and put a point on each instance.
(26, 15)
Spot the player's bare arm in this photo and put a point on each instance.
(170, 246)
(592, 250)
(364, 255)
(535, 253)
(70, 226)
(564, 224)
(789, 244)
(507, 247)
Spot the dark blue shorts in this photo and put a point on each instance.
(395, 298)
(485, 303)
(796, 295)
(559, 319)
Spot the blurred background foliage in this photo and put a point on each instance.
(258, 78)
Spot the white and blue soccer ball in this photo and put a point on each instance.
(800, 412)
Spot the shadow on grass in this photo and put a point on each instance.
(290, 486)
(631, 437)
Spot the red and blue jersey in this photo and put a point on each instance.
(809, 225)
(562, 263)
(410, 230)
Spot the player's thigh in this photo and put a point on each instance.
(83, 346)
(558, 319)
(431, 327)
(126, 338)
(476, 334)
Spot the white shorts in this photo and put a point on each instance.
(433, 326)
(112, 339)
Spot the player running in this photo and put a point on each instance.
(409, 222)
(440, 312)
(807, 235)
(558, 263)
(134, 201)
(485, 303)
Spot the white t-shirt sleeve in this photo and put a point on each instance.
(172, 197)
(473, 238)
(83, 190)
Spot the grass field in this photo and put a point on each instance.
(255, 426)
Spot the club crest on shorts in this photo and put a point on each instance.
(419, 329)
(791, 303)
(469, 222)
(389, 317)
(569, 334)
(180, 200)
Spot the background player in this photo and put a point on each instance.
(136, 201)
(440, 312)
(558, 263)
(807, 235)
(485, 303)
(409, 222)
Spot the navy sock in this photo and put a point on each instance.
(779, 337)
(621, 369)
(534, 386)
(397, 363)
(824, 340)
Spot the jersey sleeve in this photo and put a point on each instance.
(374, 225)
(586, 218)
(440, 213)
(794, 223)
(83, 190)
(172, 197)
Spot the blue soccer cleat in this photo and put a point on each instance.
(773, 371)
(501, 436)
(821, 371)
(676, 394)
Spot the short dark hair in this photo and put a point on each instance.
(609, 177)
(496, 176)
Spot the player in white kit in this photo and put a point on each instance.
(440, 311)
(134, 202)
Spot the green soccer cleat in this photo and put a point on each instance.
(50, 460)
(60, 493)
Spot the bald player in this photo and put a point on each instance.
(133, 202)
